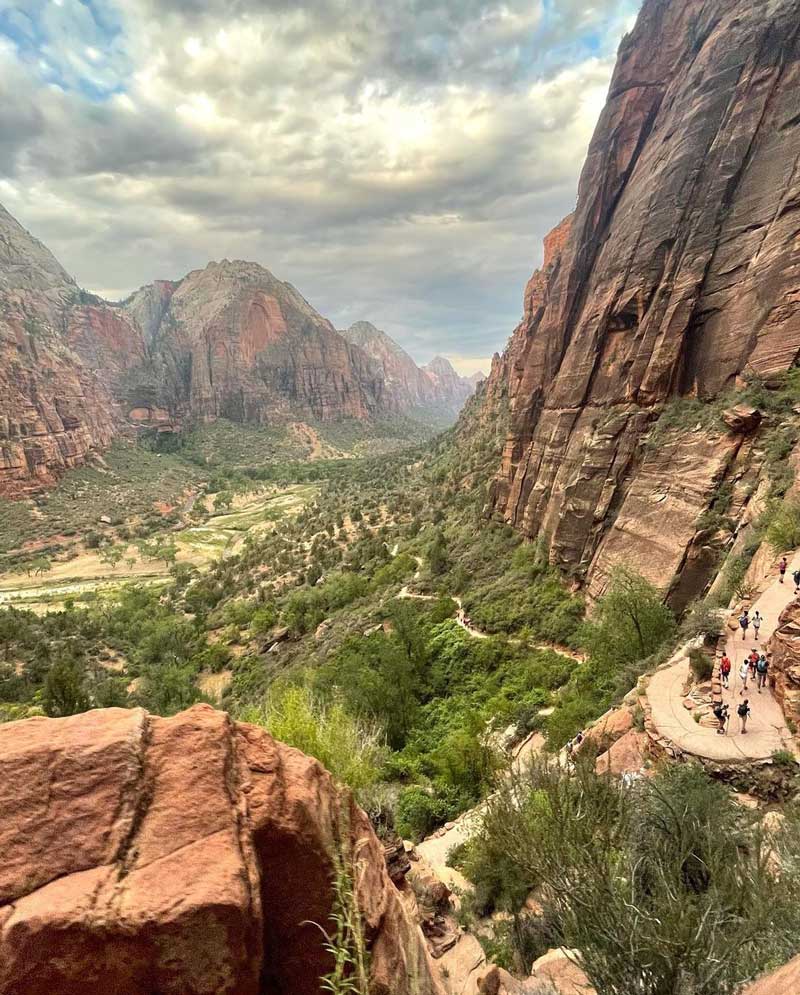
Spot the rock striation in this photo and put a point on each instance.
(678, 273)
(189, 855)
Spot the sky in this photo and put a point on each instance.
(398, 161)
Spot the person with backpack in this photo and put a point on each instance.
(796, 579)
(782, 567)
(762, 668)
(744, 622)
(743, 712)
(744, 673)
(757, 619)
(721, 715)
(725, 670)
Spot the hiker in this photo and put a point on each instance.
(796, 579)
(762, 667)
(744, 622)
(744, 714)
(725, 669)
(782, 567)
(752, 660)
(757, 619)
(721, 715)
(744, 673)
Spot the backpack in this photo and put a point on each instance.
(725, 666)
(743, 710)
(762, 665)
(744, 621)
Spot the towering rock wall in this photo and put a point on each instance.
(54, 411)
(188, 855)
(233, 341)
(679, 271)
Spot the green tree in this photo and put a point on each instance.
(112, 555)
(630, 621)
(437, 554)
(65, 688)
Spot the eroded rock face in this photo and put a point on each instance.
(189, 856)
(785, 662)
(680, 270)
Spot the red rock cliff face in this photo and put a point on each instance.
(680, 270)
(233, 341)
(188, 856)
(54, 412)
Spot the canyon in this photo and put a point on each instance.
(229, 341)
(677, 277)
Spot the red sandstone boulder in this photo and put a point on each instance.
(189, 856)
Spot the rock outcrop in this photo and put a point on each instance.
(678, 273)
(784, 674)
(189, 855)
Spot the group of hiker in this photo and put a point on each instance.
(754, 667)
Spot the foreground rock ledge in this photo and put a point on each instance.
(184, 856)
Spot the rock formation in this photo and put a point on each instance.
(678, 273)
(189, 855)
(228, 341)
(784, 675)
(454, 389)
(54, 411)
(785, 981)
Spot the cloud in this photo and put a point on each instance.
(399, 161)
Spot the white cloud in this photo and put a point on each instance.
(398, 162)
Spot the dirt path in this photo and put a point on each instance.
(766, 729)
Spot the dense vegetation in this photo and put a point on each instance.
(666, 886)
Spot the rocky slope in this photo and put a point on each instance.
(435, 387)
(190, 855)
(233, 341)
(679, 272)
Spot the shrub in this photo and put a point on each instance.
(351, 749)
(783, 531)
(641, 879)
(421, 810)
(702, 665)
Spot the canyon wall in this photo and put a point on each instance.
(678, 273)
(189, 855)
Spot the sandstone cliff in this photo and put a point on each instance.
(679, 272)
(233, 341)
(190, 856)
(447, 382)
(54, 411)
(784, 648)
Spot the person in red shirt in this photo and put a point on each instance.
(725, 669)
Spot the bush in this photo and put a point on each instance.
(702, 665)
(641, 880)
(421, 810)
(351, 749)
(783, 531)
